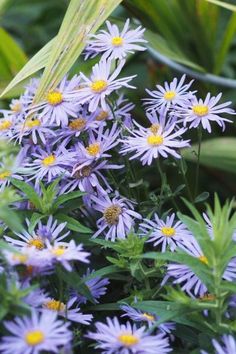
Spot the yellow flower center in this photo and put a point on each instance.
(111, 214)
(59, 251)
(5, 125)
(102, 116)
(148, 317)
(93, 149)
(203, 259)
(49, 160)
(154, 128)
(169, 95)
(128, 339)
(200, 110)
(32, 123)
(55, 305)
(99, 85)
(168, 231)
(37, 243)
(54, 97)
(16, 107)
(155, 140)
(4, 175)
(117, 41)
(34, 337)
(77, 124)
(21, 258)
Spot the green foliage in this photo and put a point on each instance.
(81, 20)
(218, 153)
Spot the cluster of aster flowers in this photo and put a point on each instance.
(71, 137)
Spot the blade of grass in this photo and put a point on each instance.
(225, 44)
(224, 4)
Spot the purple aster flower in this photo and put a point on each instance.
(150, 319)
(113, 337)
(7, 127)
(97, 287)
(99, 143)
(227, 345)
(100, 85)
(184, 276)
(28, 256)
(16, 111)
(13, 167)
(66, 252)
(65, 310)
(118, 216)
(121, 112)
(150, 143)
(166, 233)
(82, 123)
(35, 298)
(198, 111)
(169, 96)
(49, 163)
(34, 129)
(117, 44)
(37, 238)
(57, 106)
(35, 334)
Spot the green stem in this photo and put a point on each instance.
(181, 166)
(198, 159)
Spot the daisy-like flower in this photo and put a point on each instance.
(7, 127)
(97, 287)
(169, 233)
(203, 112)
(113, 337)
(66, 252)
(226, 346)
(121, 112)
(99, 143)
(49, 163)
(65, 310)
(117, 44)
(184, 276)
(169, 96)
(32, 128)
(13, 167)
(57, 106)
(32, 335)
(37, 238)
(84, 121)
(150, 143)
(118, 216)
(100, 85)
(150, 319)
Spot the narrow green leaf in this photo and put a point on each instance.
(65, 197)
(10, 218)
(224, 4)
(29, 192)
(102, 272)
(219, 153)
(73, 224)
